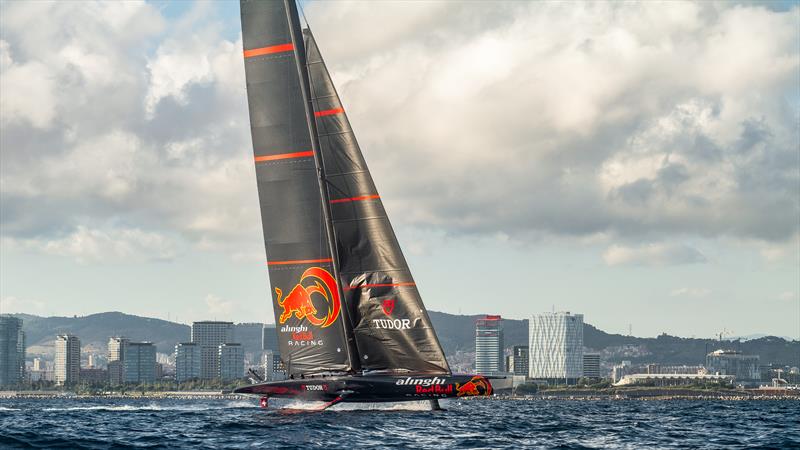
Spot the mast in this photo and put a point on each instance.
(300, 58)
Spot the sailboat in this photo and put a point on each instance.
(350, 321)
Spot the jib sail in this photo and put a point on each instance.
(392, 329)
(308, 303)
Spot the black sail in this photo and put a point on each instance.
(308, 303)
(392, 329)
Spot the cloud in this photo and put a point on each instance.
(517, 119)
(217, 305)
(94, 245)
(625, 119)
(691, 292)
(652, 255)
(11, 304)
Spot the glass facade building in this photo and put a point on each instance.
(231, 361)
(728, 362)
(556, 347)
(187, 361)
(139, 364)
(489, 345)
(12, 351)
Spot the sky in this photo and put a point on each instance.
(638, 163)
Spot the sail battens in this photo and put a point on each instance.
(280, 48)
(335, 133)
(299, 261)
(328, 112)
(344, 174)
(356, 199)
(379, 285)
(307, 154)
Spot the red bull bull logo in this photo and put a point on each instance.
(299, 302)
(477, 385)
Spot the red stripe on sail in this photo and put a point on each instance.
(329, 112)
(367, 286)
(268, 50)
(356, 199)
(298, 261)
(284, 156)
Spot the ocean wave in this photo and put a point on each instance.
(154, 407)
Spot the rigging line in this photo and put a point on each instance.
(302, 12)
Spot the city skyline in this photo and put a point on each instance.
(637, 170)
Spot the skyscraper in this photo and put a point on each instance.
(269, 338)
(231, 361)
(139, 363)
(489, 345)
(273, 366)
(556, 347)
(68, 359)
(520, 360)
(187, 361)
(116, 348)
(209, 335)
(12, 351)
(116, 359)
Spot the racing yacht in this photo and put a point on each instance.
(350, 321)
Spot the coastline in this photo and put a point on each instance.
(658, 394)
(138, 394)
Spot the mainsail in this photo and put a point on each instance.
(344, 307)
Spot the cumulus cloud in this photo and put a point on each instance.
(647, 121)
(217, 305)
(142, 147)
(626, 119)
(96, 245)
(652, 255)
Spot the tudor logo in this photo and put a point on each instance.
(388, 306)
(391, 324)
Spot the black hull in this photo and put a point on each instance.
(373, 388)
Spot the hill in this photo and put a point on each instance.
(456, 332)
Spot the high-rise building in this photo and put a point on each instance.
(116, 359)
(115, 373)
(187, 361)
(519, 355)
(116, 348)
(12, 351)
(489, 345)
(209, 335)
(729, 362)
(591, 365)
(37, 364)
(139, 363)
(274, 369)
(556, 347)
(68, 359)
(231, 361)
(269, 338)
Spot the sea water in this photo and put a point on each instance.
(218, 423)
